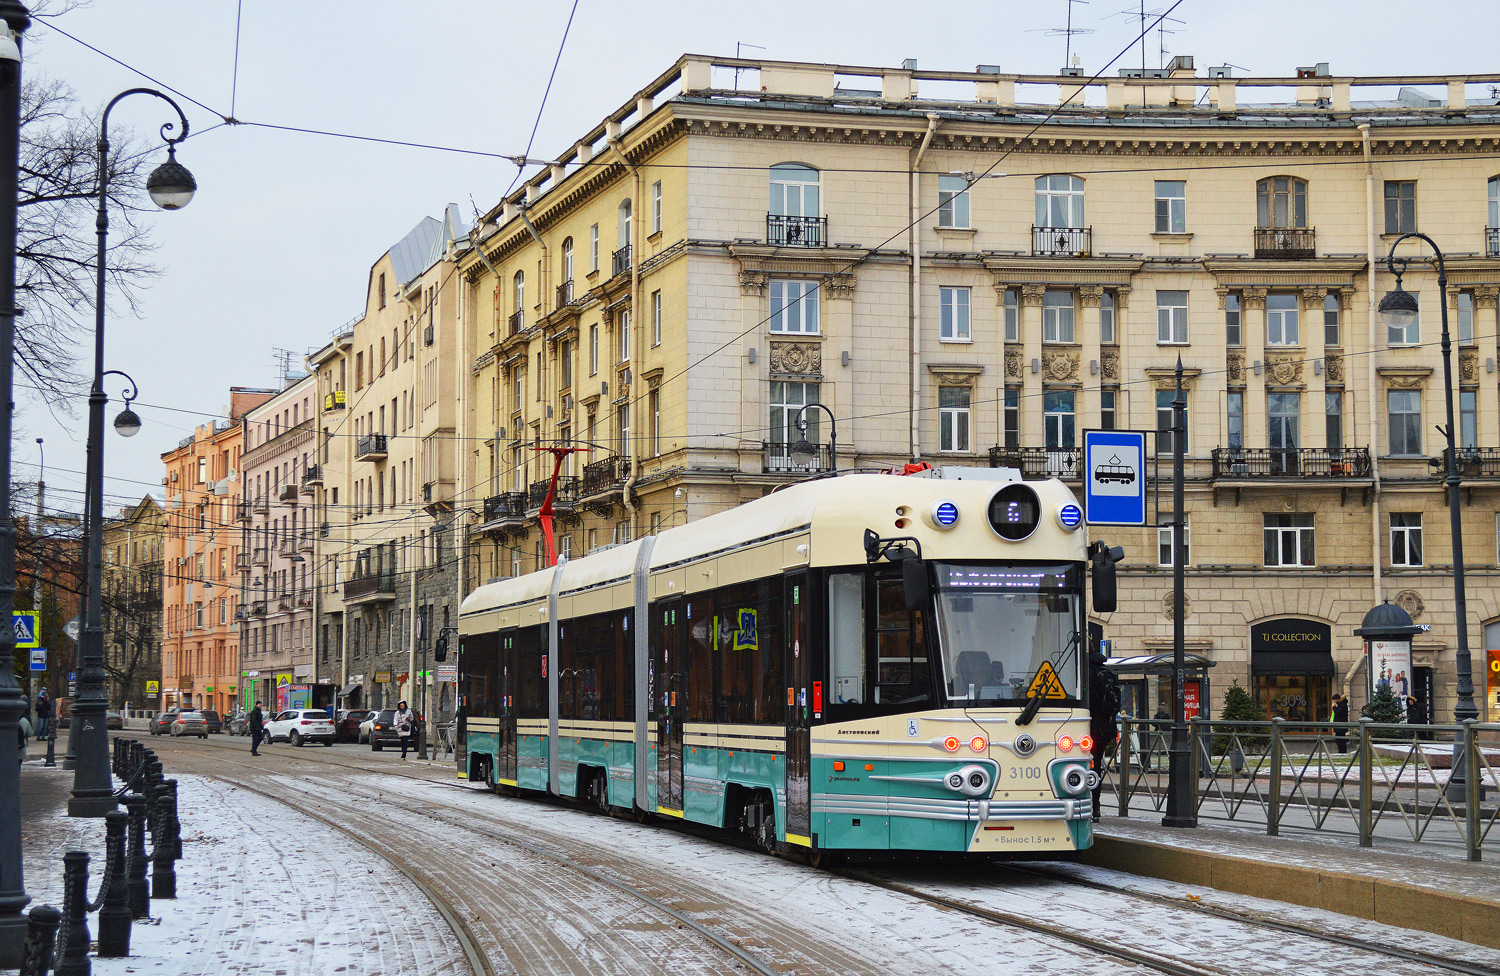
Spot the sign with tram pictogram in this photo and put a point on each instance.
(1114, 481)
(1046, 683)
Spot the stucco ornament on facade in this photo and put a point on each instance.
(1060, 366)
(1013, 359)
(1166, 606)
(1411, 602)
(1235, 367)
(1333, 369)
(1468, 367)
(1284, 370)
(1109, 365)
(796, 357)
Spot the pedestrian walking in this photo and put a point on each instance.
(46, 714)
(1104, 707)
(257, 724)
(405, 721)
(1340, 716)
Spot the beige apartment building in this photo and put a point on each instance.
(278, 515)
(387, 437)
(132, 609)
(974, 268)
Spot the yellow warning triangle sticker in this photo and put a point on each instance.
(1046, 683)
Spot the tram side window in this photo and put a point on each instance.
(846, 637)
(616, 635)
(586, 669)
(749, 653)
(479, 663)
(531, 688)
(700, 658)
(903, 672)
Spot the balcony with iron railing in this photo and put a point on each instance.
(288, 493)
(619, 262)
(260, 557)
(312, 478)
(1286, 242)
(287, 547)
(242, 512)
(1071, 242)
(261, 505)
(1473, 463)
(1296, 463)
(566, 497)
(258, 608)
(242, 562)
(370, 447)
(370, 588)
(1492, 242)
(503, 509)
(304, 598)
(777, 459)
(1038, 463)
(437, 494)
(517, 321)
(565, 294)
(429, 334)
(786, 230)
(305, 540)
(603, 476)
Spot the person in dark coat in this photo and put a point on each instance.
(1341, 715)
(1104, 709)
(257, 723)
(46, 714)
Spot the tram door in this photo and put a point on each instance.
(669, 660)
(798, 711)
(507, 707)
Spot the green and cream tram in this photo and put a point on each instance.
(855, 664)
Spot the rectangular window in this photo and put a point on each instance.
(1171, 207)
(1333, 412)
(1164, 422)
(1400, 206)
(1059, 417)
(953, 201)
(1059, 201)
(1232, 334)
(1468, 419)
(1234, 409)
(1057, 316)
(1171, 317)
(1405, 412)
(1332, 334)
(1107, 409)
(1281, 320)
(1465, 303)
(1012, 420)
(954, 317)
(1409, 334)
(656, 207)
(1289, 539)
(1012, 316)
(593, 350)
(1107, 318)
(653, 406)
(594, 248)
(1164, 545)
(622, 322)
(794, 306)
(1406, 538)
(565, 356)
(656, 317)
(786, 400)
(953, 418)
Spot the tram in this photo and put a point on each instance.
(856, 664)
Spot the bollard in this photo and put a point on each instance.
(173, 826)
(73, 939)
(163, 851)
(137, 886)
(41, 939)
(114, 914)
(51, 746)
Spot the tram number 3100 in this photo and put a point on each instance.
(1025, 772)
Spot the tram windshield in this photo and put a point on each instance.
(999, 625)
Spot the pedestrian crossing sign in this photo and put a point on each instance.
(26, 624)
(153, 687)
(1046, 683)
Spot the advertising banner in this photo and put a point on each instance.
(1492, 685)
(283, 692)
(1390, 666)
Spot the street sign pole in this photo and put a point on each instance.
(1180, 787)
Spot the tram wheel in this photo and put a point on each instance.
(824, 860)
(639, 815)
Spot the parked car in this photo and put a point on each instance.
(212, 719)
(383, 730)
(189, 723)
(113, 719)
(238, 724)
(301, 725)
(346, 728)
(367, 724)
(162, 723)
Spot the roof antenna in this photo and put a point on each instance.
(737, 46)
(1070, 60)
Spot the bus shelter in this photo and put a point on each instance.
(1147, 690)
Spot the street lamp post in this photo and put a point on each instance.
(171, 187)
(13, 897)
(1399, 309)
(805, 452)
(1181, 810)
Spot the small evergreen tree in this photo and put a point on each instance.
(1383, 706)
(1239, 706)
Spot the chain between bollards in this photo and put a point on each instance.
(139, 889)
(41, 940)
(165, 847)
(114, 914)
(73, 937)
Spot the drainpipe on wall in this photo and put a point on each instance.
(1371, 407)
(635, 308)
(914, 236)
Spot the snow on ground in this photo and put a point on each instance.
(261, 891)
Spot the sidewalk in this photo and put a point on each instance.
(1411, 888)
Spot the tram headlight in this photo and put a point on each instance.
(970, 781)
(1072, 779)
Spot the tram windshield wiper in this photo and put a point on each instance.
(1033, 705)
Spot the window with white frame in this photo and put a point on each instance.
(593, 349)
(1012, 316)
(1164, 545)
(1332, 332)
(1233, 335)
(624, 221)
(1289, 539)
(1164, 400)
(1059, 201)
(1107, 318)
(622, 324)
(953, 418)
(656, 317)
(953, 318)
(656, 207)
(594, 248)
(1281, 201)
(1409, 334)
(786, 400)
(1234, 419)
(1171, 317)
(794, 191)
(1012, 419)
(653, 408)
(1171, 207)
(1333, 419)
(953, 201)
(1281, 320)
(1464, 305)
(1400, 206)
(1107, 409)
(794, 306)
(1468, 419)
(1494, 200)
(1059, 418)
(1057, 316)
(1404, 410)
(1406, 538)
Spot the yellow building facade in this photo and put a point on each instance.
(974, 268)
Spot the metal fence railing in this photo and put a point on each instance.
(1381, 783)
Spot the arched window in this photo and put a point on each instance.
(1059, 201)
(1492, 232)
(520, 290)
(567, 259)
(794, 215)
(518, 315)
(1281, 201)
(623, 223)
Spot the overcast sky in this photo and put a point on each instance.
(275, 249)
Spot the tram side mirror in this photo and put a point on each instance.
(914, 583)
(1104, 577)
(440, 649)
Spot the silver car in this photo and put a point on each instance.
(189, 723)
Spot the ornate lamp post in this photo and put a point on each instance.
(1399, 309)
(805, 452)
(171, 187)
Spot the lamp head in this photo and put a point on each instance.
(128, 423)
(803, 452)
(1398, 309)
(171, 185)
(10, 56)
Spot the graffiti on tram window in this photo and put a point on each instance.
(746, 635)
